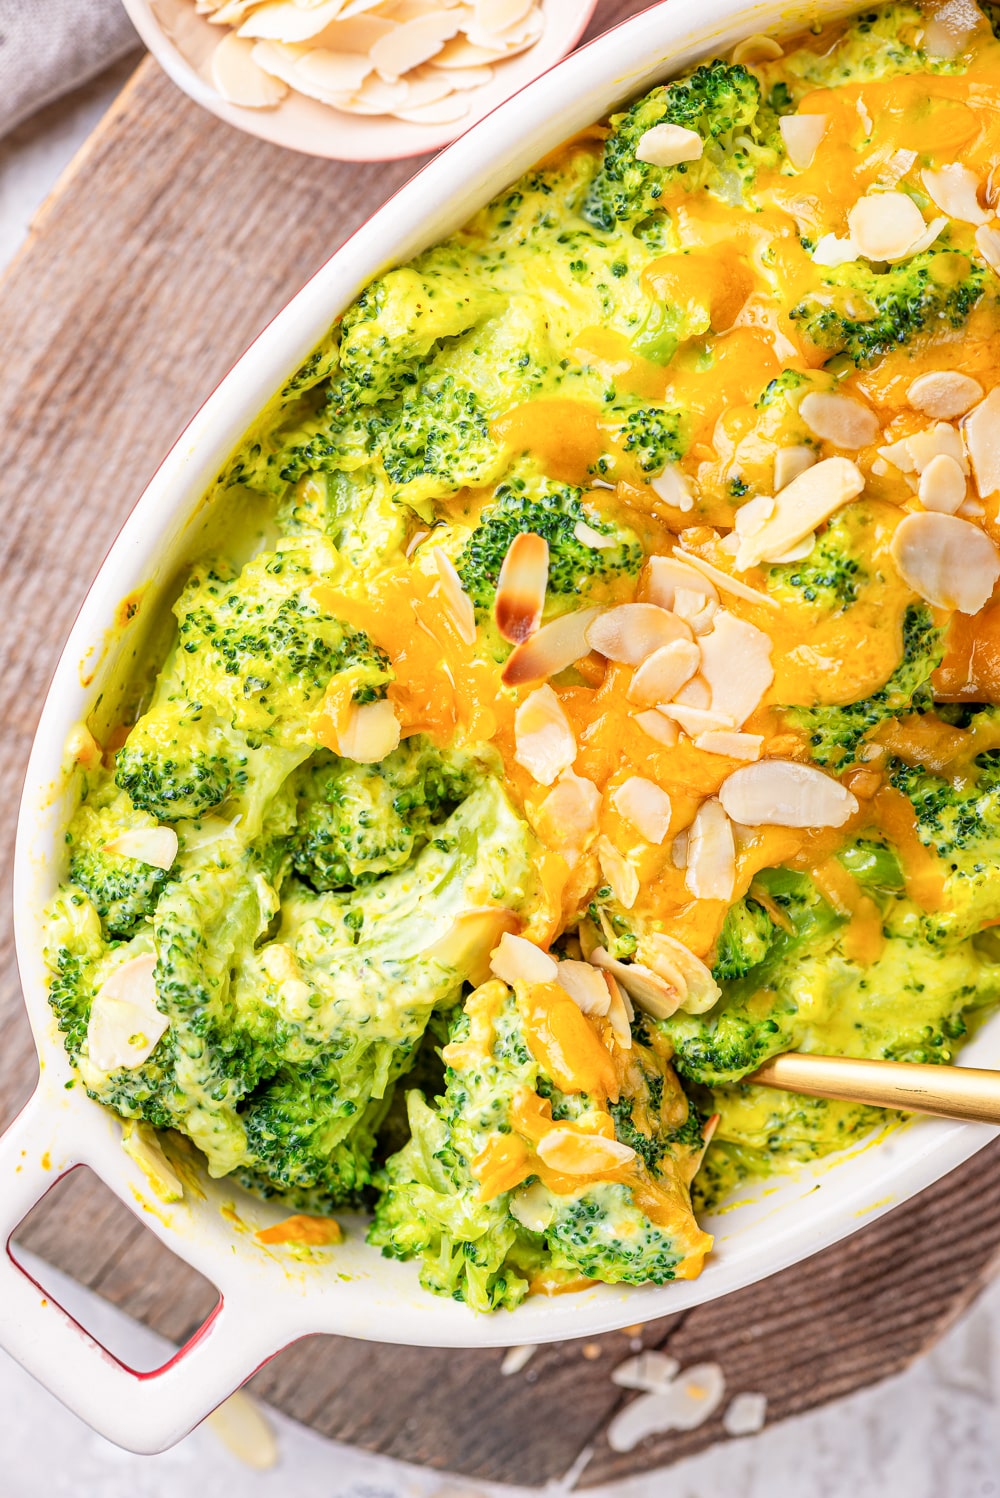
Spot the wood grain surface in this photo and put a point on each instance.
(168, 245)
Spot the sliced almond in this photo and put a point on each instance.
(585, 986)
(516, 960)
(831, 251)
(729, 584)
(982, 437)
(839, 419)
(783, 793)
(156, 846)
(413, 43)
(736, 663)
(632, 631)
(439, 112)
(950, 27)
(544, 741)
(284, 21)
(461, 53)
(239, 79)
(950, 562)
(567, 818)
(499, 15)
(732, 745)
(695, 720)
(140, 1143)
(620, 1013)
(790, 462)
(694, 693)
(663, 673)
(988, 245)
(457, 601)
(618, 872)
(371, 731)
(662, 577)
(520, 596)
(674, 488)
(944, 394)
(886, 225)
(807, 501)
(942, 485)
(334, 72)
(596, 540)
(758, 48)
(560, 643)
(940, 440)
(125, 1025)
(697, 611)
(534, 1208)
(711, 860)
(955, 190)
(752, 516)
(573, 1153)
(651, 992)
(802, 134)
(645, 805)
(663, 954)
(669, 145)
(662, 729)
(798, 552)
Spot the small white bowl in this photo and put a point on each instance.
(182, 42)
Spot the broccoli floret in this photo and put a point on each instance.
(788, 380)
(873, 865)
(744, 941)
(879, 43)
(358, 822)
(836, 733)
(831, 576)
(653, 434)
(864, 313)
(958, 817)
(441, 434)
(179, 761)
(552, 511)
(124, 890)
(722, 103)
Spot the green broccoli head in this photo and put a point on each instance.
(744, 941)
(124, 890)
(864, 313)
(837, 733)
(654, 435)
(832, 575)
(179, 761)
(358, 822)
(721, 102)
(883, 43)
(553, 511)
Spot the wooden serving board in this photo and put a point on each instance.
(167, 246)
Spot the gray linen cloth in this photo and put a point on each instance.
(48, 47)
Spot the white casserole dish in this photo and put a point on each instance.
(267, 1299)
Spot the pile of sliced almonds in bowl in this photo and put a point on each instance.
(414, 60)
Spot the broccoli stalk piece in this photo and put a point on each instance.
(553, 511)
(722, 103)
(837, 733)
(864, 313)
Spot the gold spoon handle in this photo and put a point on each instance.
(949, 1091)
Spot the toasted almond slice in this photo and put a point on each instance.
(736, 663)
(732, 745)
(711, 860)
(949, 562)
(596, 540)
(832, 251)
(153, 845)
(516, 960)
(370, 732)
(955, 190)
(125, 1025)
(802, 134)
(696, 610)
(620, 1013)
(944, 394)
(783, 793)
(806, 502)
(663, 576)
(839, 419)
(940, 439)
(567, 818)
(241, 80)
(470, 939)
(651, 992)
(789, 462)
(988, 245)
(886, 225)
(674, 488)
(666, 955)
(695, 720)
(669, 145)
(663, 673)
(632, 631)
(758, 48)
(645, 805)
(457, 601)
(284, 21)
(585, 986)
(544, 740)
(574, 1153)
(694, 693)
(982, 436)
(942, 485)
(662, 729)
(413, 42)
(729, 584)
(618, 872)
(558, 644)
(520, 596)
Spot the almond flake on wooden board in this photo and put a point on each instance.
(649, 1371)
(543, 739)
(551, 649)
(692, 1398)
(783, 793)
(516, 960)
(806, 502)
(950, 562)
(125, 1025)
(645, 806)
(745, 1415)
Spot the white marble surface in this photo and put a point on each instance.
(934, 1432)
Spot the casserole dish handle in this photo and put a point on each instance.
(143, 1411)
